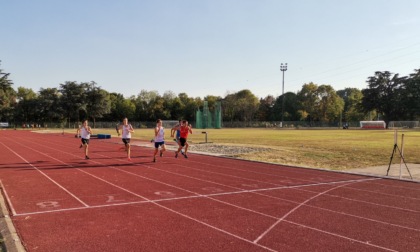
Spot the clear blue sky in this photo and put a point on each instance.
(207, 47)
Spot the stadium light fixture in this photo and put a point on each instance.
(283, 68)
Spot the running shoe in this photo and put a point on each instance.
(185, 156)
(80, 146)
(154, 159)
(176, 154)
(87, 157)
(161, 154)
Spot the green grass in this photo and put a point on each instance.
(331, 149)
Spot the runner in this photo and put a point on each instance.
(185, 129)
(159, 139)
(126, 130)
(178, 133)
(85, 131)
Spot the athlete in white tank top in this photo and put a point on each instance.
(159, 139)
(126, 129)
(85, 131)
(126, 133)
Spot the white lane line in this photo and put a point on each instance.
(60, 186)
(342, 213)
(366, 202)
(340, 236)
(174, 211)
(81, 170)
(277, 170)
(325, 183)
(7, 198)
(385, 194)
(241, 190)
(293, 210)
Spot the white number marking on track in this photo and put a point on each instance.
(48, 204)
(111, 198)
(165, 194)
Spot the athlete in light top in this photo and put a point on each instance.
(126, 130)
(159, 139)
(85, 131)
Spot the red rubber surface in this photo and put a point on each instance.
(61, 202)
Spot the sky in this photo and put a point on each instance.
(207, 47)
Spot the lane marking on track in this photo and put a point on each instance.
(53, 181)
(340, 236)
(325, 183)
(367, 202)
(12, 209)
(293, 210)
(111, 198)
(176, 212)
(48, 204)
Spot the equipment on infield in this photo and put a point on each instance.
(400, 151)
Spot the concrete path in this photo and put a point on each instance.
(394, 171)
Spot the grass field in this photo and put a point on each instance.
(332, 149)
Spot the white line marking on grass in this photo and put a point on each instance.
(57, 184)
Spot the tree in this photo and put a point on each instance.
(240, 106)
(177, 109)
(143, 103)
(411, 95)
(352, 102)
(320, 103)
(212, 101)
(330, 105)
(49, 105)
(308, 100)
(98, 102)
(190, 106)
(120, 108)
(291, 107)
(27, 107)
(265, 109)
(7, 97)
(73, 99)
(385, 95)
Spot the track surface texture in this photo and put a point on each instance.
(58, 201)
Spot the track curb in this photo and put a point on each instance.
(11, 241)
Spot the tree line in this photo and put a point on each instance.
(388, 97)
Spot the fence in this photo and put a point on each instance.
(403, 124)
(206, 119)
(225, 124)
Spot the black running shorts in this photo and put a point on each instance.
(182, 141)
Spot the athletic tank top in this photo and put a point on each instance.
(125, 131)
(160, 137)
(84, 133)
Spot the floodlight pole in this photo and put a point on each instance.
(283, 68)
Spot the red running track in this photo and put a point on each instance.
(61, 202)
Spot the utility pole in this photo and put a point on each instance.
(283, 68)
